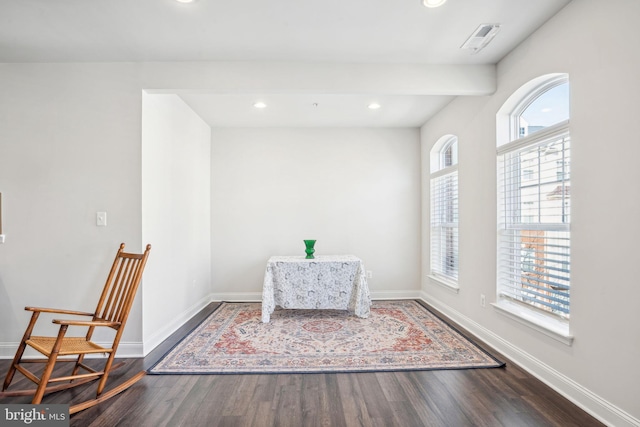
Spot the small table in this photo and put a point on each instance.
(325, 282)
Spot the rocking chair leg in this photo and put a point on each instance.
(103, 380)
(76, 368)
(20, 351)
(44, 379)
(12, 367)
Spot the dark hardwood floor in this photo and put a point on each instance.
(477, 397)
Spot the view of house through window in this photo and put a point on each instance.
(534, 179)
(444, 209)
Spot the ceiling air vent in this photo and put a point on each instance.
(481, 37)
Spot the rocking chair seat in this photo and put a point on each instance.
(70, 346)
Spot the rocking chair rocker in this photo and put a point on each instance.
(111, 312)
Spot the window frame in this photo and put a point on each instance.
(544, 321)
(444, 167)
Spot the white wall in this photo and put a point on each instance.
(600, 370)
(356, 191)
(68, 149)
(176, 215)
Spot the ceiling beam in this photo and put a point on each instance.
(324, 78)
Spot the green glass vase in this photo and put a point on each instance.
(309, 248)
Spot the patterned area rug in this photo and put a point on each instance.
(398, 335)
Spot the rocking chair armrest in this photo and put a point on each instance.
(86, 323)
(59, 311)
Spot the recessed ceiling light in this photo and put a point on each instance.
(184, 1)
(260, 104)
(374, 106)
(433, 3)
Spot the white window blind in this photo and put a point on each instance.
(444, 223)
(534, 261)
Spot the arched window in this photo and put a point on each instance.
(547, 106)
(444, 210)
(534, 183)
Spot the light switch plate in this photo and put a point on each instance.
(101, 219)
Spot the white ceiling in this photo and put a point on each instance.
(338, 31)
(317, 110)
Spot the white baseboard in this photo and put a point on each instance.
(584, 398)
(237, 296)
(128, 349)
(8, 349)
(391, 295)
(156, 338)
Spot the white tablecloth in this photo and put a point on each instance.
(325, 282)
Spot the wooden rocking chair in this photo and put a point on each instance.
(112, 312)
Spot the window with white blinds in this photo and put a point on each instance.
(444, 225)
(534, 180)
(444, 210)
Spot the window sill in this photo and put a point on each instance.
(551, 327)
(447, 284)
